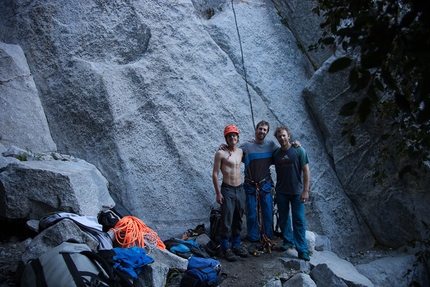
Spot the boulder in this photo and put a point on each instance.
(394, 271)
(293, 263)
(155, 274)
(323, 275)
(55, 235)
(322, 243)
(5, 161)
(273, 283)
(329, 270)
(169, 259)
(300, 279)
(32, 189)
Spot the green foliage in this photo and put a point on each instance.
(22, 157)
(391, 76)
(28, 155)
(340, 64)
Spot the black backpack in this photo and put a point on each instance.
(213, 247)
(214, 219)
(108, 219)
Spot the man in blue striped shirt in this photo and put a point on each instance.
(257, 156)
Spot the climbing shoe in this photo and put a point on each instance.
(304, 256)
(240, 251)
(228, 254)
(287, 246)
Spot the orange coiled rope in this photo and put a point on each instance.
(131, 231)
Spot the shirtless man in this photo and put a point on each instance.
(230, 195)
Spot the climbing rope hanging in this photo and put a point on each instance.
(243, 65)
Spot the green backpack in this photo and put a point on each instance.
(70, 264)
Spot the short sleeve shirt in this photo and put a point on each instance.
(257, 159)
(288, 166)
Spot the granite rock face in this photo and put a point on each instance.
(143, 89)
(22, 116)
(394, 210)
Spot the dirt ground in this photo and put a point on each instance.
(10, 255)
(256, 271)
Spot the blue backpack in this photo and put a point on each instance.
(202, 272)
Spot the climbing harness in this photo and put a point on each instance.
(266, 244)
(243, 65)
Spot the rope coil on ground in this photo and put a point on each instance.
(131, 231)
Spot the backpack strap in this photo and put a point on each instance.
(106, 267)
(110, 279)
(115, 277)
(126, 280)
(73, 270)
(38, 270)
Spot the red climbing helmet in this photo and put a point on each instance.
(230, 129)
